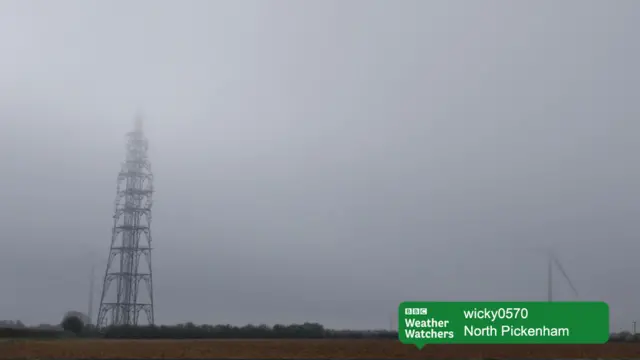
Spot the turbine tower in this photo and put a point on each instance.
(553, 260)
(91, 291)
(130, 240)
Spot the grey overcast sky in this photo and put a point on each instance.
(323, 160)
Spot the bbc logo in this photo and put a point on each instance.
(415, 311)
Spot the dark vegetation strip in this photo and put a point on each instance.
(74, 326)
(191, 331)
(223, 332)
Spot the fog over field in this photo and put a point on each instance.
(323, 160)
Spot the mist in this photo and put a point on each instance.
(326, 160)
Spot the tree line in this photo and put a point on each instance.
(73, 326)
(192, 331)
(295, 331)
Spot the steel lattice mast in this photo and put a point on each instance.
(130, 240)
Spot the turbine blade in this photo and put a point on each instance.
(564, 273)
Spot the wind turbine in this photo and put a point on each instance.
(553, 260)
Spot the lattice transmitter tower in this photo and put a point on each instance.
(130, 241)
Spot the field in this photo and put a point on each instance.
(298, 349)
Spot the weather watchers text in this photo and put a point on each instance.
(422, 323)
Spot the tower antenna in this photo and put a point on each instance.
(139, 122)
(130, 240)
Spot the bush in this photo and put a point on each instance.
(73, 324)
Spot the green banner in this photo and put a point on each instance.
(422, 323)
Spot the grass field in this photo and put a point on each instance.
(298, 349)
